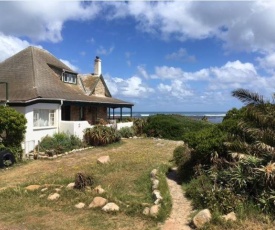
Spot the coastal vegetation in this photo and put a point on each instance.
(222, 167)
(12, 130)
(230, 166)
(172, 127)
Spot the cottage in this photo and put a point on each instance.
(53, 97)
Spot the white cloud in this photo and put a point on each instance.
(142, 71)
(180, 55)
(11, 45)
(166, 72)
(131, 87)
(267, 62)
(241, 25)
(42, 20)
(104, 51)
(177, 89)
(67, 63)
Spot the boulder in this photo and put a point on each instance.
(230, 217)
(33, 187)
(103, 160)
(53, 196)
(99, 190)
(80, 205)
(156, 195)
(70, 186)
(154, 173)
(201, 218)
(155, 183)
(154, 210)
(146, 211)
(98, 202)
(157, 201)
(110, 207)
(44, 189)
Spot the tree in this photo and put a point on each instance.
(257, 126)
(12, 129)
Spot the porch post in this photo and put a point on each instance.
(120, 113)
(131, 112)
(113, 113)
(109, 111)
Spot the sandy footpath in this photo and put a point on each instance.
(181, 206)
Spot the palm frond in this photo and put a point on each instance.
(248, 98)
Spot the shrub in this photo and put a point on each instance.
(12, 130)
(139, 124)
(60, 142)
(206, 143)
(181, 155)
(82, 181)
(172, 126)
(126, 132)
(101, 135)
(205, 194)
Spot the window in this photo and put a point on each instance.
(69, 77)
(43, 117)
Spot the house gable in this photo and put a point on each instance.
(94, 85)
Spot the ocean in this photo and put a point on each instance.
(213, 117)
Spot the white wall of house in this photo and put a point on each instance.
(74, 127)
(35, 134)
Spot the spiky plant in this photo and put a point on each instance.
(82, 181)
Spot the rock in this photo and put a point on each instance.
(57, 189)
(154, 210)
(42, 195)
(201, 218)
(80, 205)
(157, 201)
(154, 173)
(98, 202)
(33, 187)
(99, 190)
(53, 196)
(230, 216)
(70, 186)
(156, 195)
(103, 159)
(110, 207)
(44, 189)
(88, 189)
(155, 184)
(146, 211)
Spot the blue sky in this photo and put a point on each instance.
(162, 56)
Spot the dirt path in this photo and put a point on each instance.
(181, 207)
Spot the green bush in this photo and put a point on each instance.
(101, 135)
(126, 132)
(207, 144)
(205, 194)
(12, 130)
(139, 124)
(60, 142)
(172, 126)
(181, 155)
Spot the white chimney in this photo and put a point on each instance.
(97, 69)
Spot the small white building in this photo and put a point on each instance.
(53, 97)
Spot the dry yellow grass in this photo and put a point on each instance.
(124, 180)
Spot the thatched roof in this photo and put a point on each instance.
(35, 74)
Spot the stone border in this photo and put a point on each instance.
(44, 156)
(154, 209)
